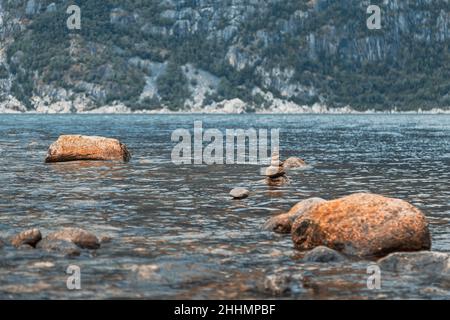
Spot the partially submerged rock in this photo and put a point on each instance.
(363, 225)
(293, 163)
(283, 222)
(273, 172)
(66, 248)
(421, 262)
(239, 193)
(77, 147)
(277, 285)
(277, 182)
(323, 255)
(79, 237)
(29, 237)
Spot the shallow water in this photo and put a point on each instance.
(175, 232)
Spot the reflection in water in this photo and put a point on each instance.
(176, 233)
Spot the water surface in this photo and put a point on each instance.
(175, 232)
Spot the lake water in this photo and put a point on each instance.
(176, 233)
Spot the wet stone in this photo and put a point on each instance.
(323, 255)
(66, 248)
(29, 237)
(239, 193)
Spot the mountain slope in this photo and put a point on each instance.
(194, 53)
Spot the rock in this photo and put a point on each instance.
(79, 237)
(273, 172)
(276, 182)
(294, 162)
(276, 167)
(66, 248)
(75, 147)
(29, 237)
(422, 262)
(277, 284)
(323, 255)
(239, 193)
(363, 225)
(283, 222)
(105, 239)
(1, 243)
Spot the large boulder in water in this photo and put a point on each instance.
(76, 147)
(363, 225)
(283, 222)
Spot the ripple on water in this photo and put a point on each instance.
(175, 231)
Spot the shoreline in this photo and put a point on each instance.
(192, 112)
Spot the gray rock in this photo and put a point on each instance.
(294, 162)
(66, 248)
(80, 237)
(29, 237)
(239, 193)
(277, 284)
(274, 172)
(421, 262)
(323, 255)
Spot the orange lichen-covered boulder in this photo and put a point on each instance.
(283, 223)
(363, 225)
(76, 147)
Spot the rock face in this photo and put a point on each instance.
(28, 237)
(79, 237)
(323, 255)
(76, 147)
(283, 222)
(239, 193)
(363, 225)
(294, 162)
(422, 262)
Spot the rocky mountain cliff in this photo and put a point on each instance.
(226, 55)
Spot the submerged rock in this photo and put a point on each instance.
(277, 285)
(79, 237)
(76, 147)
(66, 248)
(239, 193)
(294, 162)
(283, 222)
(29, 237)
(277, 182)
(363, 225)
(323, 255)
(422, 262)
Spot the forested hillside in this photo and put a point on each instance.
(196, 53)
